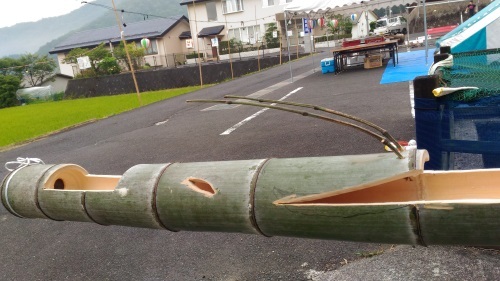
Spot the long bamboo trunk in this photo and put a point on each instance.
(366, 198)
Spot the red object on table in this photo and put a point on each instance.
(366, 40)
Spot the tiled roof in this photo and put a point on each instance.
(133, 31)
(208, 31)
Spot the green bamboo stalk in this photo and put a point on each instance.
(62, 206)
(366, 198)
(22, 200)
(131, 203)
(311, 176)
(215, 196)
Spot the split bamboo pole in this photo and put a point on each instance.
(376, 198)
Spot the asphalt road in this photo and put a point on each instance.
(176, 131)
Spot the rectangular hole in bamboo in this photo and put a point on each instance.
(476, 186)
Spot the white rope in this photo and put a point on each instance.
(447, 63)
(22, 162)
(6, 194)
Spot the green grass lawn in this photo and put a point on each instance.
(22, 123)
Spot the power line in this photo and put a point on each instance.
(146, 15)
(123, 11)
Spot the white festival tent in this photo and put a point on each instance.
(480, 32)
(315, 8)
(319, 8)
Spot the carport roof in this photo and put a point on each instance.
(210, 31)
(187, 2)
(185, 35)
(133, 31)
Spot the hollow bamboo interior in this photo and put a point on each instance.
(74, 177)
(473, 186)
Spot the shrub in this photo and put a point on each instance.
(108, 66)
(193, 55)
(8, 86)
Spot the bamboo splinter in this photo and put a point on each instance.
(380, 138)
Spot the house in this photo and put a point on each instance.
(361, 25)
(243, 20)
(167, 36)
(58, 82)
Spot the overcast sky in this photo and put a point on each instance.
(16, 11)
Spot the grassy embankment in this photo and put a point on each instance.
(23, 123)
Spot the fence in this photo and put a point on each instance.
(461, 130)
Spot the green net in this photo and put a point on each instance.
(479, 69)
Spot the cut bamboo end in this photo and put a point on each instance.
(61, 191)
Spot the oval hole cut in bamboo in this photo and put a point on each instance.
(209, 196)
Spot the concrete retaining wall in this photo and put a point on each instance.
(152, 80)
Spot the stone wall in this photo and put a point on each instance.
(165, 78)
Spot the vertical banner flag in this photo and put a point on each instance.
(306, 25)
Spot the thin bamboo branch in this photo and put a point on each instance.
(305, 113)
(384, 132)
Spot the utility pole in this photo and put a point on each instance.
(126, 51)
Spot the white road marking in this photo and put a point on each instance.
(161, 122)
(230, 130)
(260, 93)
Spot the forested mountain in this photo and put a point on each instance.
(43, 35)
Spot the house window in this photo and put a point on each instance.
(248, 35)
(153, 47)
(231, 6)
(211, 11)
(268, 3)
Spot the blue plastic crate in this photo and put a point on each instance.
(327, 65)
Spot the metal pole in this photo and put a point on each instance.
(197, 44)
(229, 49)
(408, 27)
(312, 47)
(288, 47)
(425, 34)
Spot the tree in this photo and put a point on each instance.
(37, 67)
(272, 42)
(9, 84)
(136, 54)
(108, 66)
(10, 66)
(95, 55)
(379, 12)
(395, 10)
(344, 25)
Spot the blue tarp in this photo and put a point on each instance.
(411, 65)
